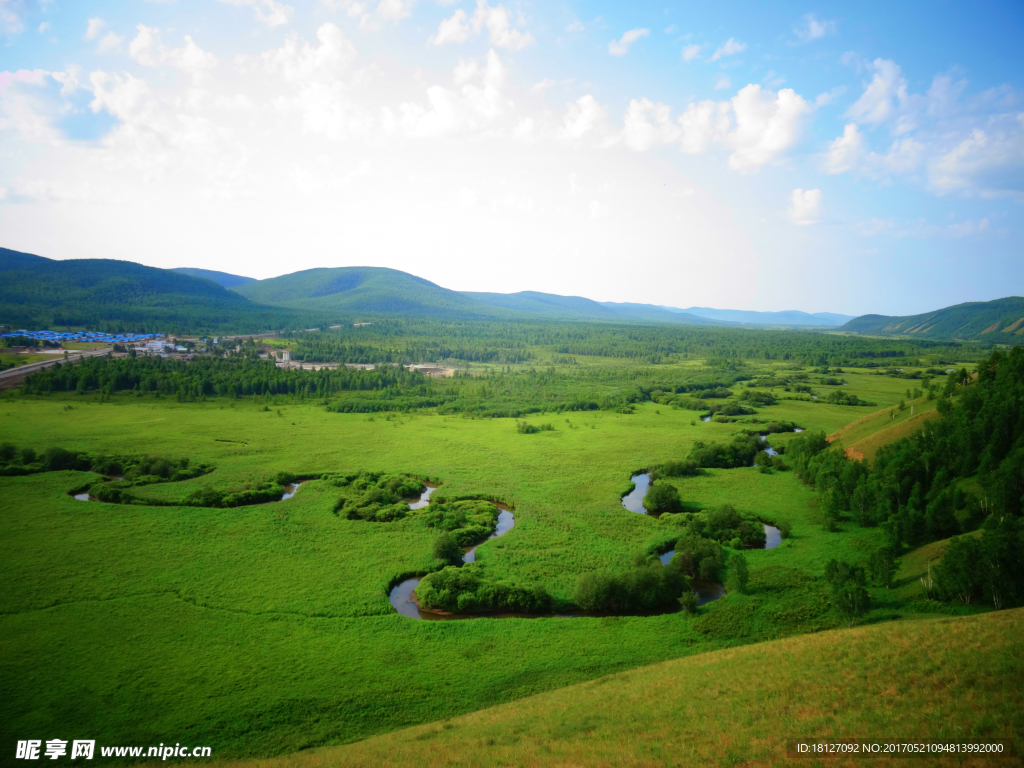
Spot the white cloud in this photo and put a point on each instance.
(812, 29)
(691, 52)
(649, 125)
(43, 28)
(575, 26)
(269, 12)
(458, 28)
(110, 42)
(68, 79)
(452, 30)
(805, 206)
(94, 28)
(767, 125)
(299, 62)
(723, 82)
(988, 163)
(583, 117)
(845, 151)
(904, 156)
(542, 86)
(620, 47)
(883, 97)
(968, 228)
(598, 210)
(148, 49)
(476, 106)
(703, 124)
(730, 47)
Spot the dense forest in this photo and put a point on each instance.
(397, 340)
(956, 474)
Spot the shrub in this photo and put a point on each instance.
(739, 575)
(675, 468)
(697, 556)
(446, 549)
(662, 498)
(639, 590)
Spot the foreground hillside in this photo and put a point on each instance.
(1001, 320)
(932, 679)
(105, 294)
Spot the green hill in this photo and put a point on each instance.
(220, 278)
(999, 320)
(928, 680)
(365, 289)
(104, 294)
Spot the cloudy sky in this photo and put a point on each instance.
(858, 157)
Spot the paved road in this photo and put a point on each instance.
(13, 376)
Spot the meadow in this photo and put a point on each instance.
(266, 629)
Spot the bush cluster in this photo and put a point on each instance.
(638, 590)
(469, 590)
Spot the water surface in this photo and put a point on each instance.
(634, 500)
(424, 499)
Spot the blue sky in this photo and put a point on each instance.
(851, 158)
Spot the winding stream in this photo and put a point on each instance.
(401, 596)
(634, 500)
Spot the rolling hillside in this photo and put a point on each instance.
(365, 289)
(1001, 320)
(910, 679)
(220, 278)
(36, 292)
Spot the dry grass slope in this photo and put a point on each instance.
(925, 680)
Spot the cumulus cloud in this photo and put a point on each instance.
(149, 50)
(844, 152)
(730, 47)
(582, 117)
(691, 52)
(885, 97)
(369, 15)
(459, 27)
(812, 29)
(94, 29)
(767, 125)
(476, 104)
(989, 163)
(805, 206)
(722, 82)
(620, 47)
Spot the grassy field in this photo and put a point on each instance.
(266, 629)
(928, 680)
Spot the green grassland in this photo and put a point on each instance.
(913, 681)
(266, 629)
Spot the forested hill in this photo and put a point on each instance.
(104, 294)
(220, 278)
(1001, 320)
(367, 289)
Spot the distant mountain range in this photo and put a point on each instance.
(38, 292)
(787, 317)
